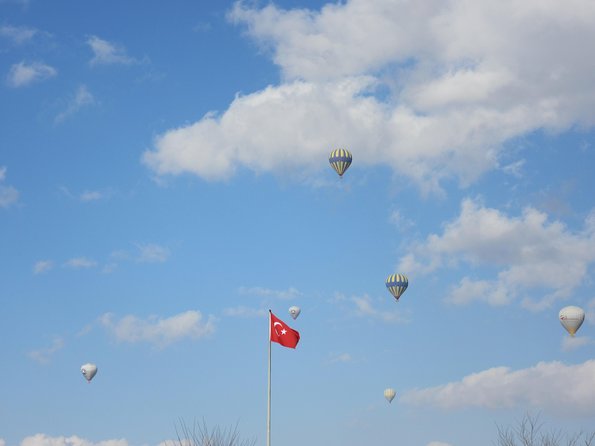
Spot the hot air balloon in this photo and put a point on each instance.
(389, 394)
(397, 284)
(340, 160)
(89, 371)
(571, 318)
(294, 311)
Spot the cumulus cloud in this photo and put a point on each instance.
(159, 331)
(8, 194)
(43, 356)
(46, 440)
(106, 53)
(22, 74)
(462, 78)
(549, 386)
(42, 266)
(290, 293)
(531, 252)
(81, 98)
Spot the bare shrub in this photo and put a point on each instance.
(199, 434)
(529, 432)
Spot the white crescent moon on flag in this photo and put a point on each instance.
(275, 327)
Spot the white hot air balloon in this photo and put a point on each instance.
(294, 311)
(572, 318)
(89, 371)
(389, 394)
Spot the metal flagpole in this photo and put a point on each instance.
(269, 390)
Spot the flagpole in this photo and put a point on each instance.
(269, 389)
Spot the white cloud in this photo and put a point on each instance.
(549, 386)
(438, 443)
(8, 194)
(2, 442)
(402, 223)
(590, 312)
(46, 440)
(18, 34)
(158, 331)
(574, 342)
(532, 252)
(81, 262)
(105, 53)
(91, 196)
(242, 311)
(152, 253)
(462, 79)
(290, 293)
(340, 357)
(365, 308)
(43, 356)
(81, 98)
(42, 266)
(23, 74)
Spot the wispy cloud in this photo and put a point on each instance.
(574, 342)
(400, 222)
(86, 195)
(550, 386)
(81, 98)
(241, 311)
(23, 73)
(8, 194)
(364, 307)
(42, 266)
(91, 195)
(152, 253)
(159, 331)
(18, 34)
(46, 440)
(81, 263)
(106, 53)
(43, 356)
(290, 293)
(531, 251)
(339, 357)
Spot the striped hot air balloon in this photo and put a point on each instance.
(397, 284)
(340, 160)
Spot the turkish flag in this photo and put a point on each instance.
(280, 332)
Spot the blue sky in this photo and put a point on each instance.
(164, 181)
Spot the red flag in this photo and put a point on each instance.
(280, 332)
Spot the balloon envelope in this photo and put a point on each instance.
(89, 371)
(294, 311)
(389, 394)
(340, 160)
(397, 284)
(571, 318)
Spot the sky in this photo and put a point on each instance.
(164, 182)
